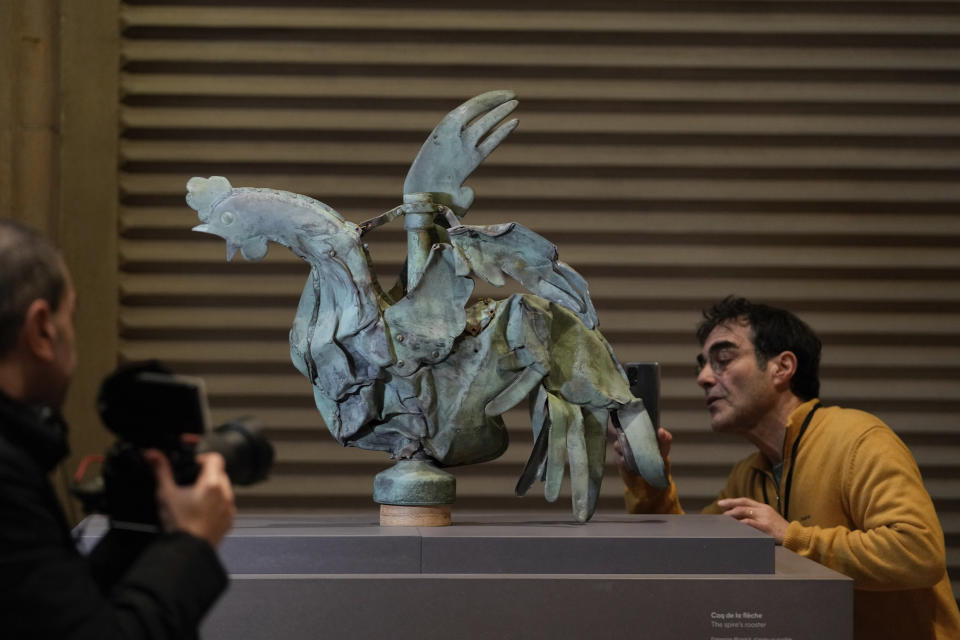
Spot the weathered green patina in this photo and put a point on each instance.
(419, 371)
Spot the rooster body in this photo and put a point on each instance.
(427, 376)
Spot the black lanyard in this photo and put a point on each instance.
(793, 464)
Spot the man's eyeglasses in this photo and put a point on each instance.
(720, 356)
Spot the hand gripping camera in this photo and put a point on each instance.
(148, 406)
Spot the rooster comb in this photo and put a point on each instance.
(202, 193)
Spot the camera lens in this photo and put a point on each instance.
(247, 453)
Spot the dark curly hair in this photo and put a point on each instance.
(30, 269)
(774, 331)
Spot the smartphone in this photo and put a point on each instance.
(644, 379)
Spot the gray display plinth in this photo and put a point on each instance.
(496, 576)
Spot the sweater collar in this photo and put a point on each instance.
(794, 422)
(38, 430)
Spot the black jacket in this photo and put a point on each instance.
(131, 585)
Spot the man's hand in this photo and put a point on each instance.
(664, 438)
(204, 509)
(757, 515)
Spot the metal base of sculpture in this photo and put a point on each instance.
(414, 483)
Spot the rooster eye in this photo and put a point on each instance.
(227, 217)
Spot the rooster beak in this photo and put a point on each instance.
(231, 247)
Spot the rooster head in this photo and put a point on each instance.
(210, 198)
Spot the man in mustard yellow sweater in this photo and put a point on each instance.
(834, 485)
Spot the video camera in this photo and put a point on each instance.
(148, 406)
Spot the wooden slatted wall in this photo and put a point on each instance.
(801, 153)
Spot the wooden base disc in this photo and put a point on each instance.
(392, 515)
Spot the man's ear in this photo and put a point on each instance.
(38, 331)
(784, 367)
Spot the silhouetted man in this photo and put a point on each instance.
(133, 585)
